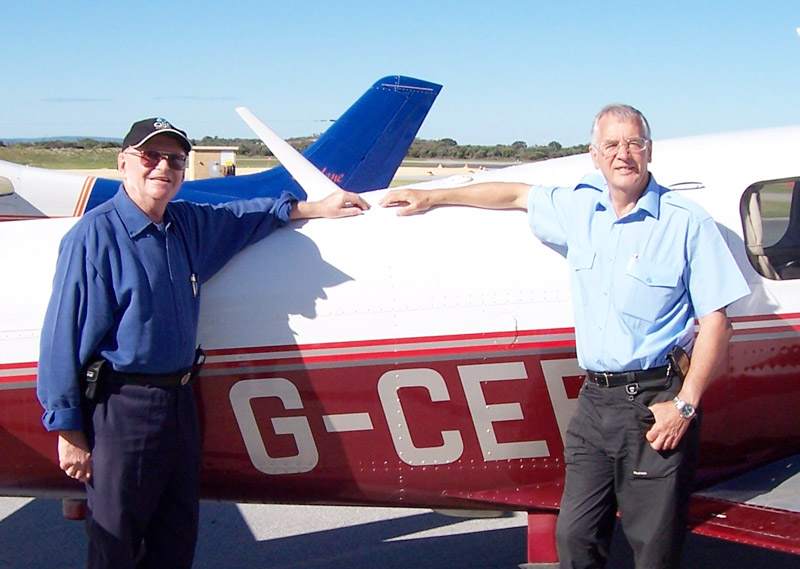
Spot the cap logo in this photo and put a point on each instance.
(161, 124)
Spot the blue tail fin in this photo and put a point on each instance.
(361, 151)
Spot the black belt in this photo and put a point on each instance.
(177, 379)
(98, 373)
(619, 378)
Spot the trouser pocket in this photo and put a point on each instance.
(643, 461)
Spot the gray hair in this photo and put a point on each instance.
(621, 112)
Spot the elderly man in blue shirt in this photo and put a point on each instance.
(645, 262)
(126, 292)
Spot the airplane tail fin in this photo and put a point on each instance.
(369, 141)
(360, 151)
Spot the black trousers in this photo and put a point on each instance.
(143, 498)
(610, 466)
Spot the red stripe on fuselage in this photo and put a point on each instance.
(83, 198)
(419, 410)
(488, 343)
(17, 376)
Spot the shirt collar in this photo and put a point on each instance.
(648, 202)
(133, 218)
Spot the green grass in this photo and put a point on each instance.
(256, 162)
(774, 210)
(61, 158)
(776, 200)
(85, 159)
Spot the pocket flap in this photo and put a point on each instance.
(654, 275)
(581, 260)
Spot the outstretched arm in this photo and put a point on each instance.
(489, 195)
(338, 204)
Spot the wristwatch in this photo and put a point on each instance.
(686, 410)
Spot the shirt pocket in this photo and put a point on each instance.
(581, 262)
(647, 289)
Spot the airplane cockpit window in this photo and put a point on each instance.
(6, 187)
(771, 221)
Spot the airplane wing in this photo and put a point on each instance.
(760, 508)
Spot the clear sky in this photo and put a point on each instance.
(512, 70)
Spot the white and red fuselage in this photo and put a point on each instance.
(419, 361)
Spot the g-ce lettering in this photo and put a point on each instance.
(484, 416)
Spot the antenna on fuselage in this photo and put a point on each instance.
(316, 184)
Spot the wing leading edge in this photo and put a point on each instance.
(760, 508)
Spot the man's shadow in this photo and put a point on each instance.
(271, 443)
(36, 537)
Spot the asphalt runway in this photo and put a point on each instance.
(34, 535)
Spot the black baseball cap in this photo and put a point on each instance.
(143, 130)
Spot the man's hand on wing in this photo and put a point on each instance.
(340, 203)
(409, 201)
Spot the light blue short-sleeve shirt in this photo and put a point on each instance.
(638, 282)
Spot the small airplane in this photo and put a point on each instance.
(360, 151)
(429, 361)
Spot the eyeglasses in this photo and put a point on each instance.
(610, 148)
(151, 158)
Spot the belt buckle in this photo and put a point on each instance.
(186, 377)
(605, 375)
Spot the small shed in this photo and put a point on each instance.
(211, 162)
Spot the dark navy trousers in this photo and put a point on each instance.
(610, 466)
(143, 498)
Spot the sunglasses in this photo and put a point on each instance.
(151, 158)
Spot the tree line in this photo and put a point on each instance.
(443, 149)
(519, 151)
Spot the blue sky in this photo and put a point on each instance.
(512, 70)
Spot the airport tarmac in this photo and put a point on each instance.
(34, 535)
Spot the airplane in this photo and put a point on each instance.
(429, 361)
(361, 151)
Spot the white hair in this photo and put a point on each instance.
(622, 112)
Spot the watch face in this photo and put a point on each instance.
(685, 409)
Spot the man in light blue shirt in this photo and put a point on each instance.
(638, 280)
(645, 263)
